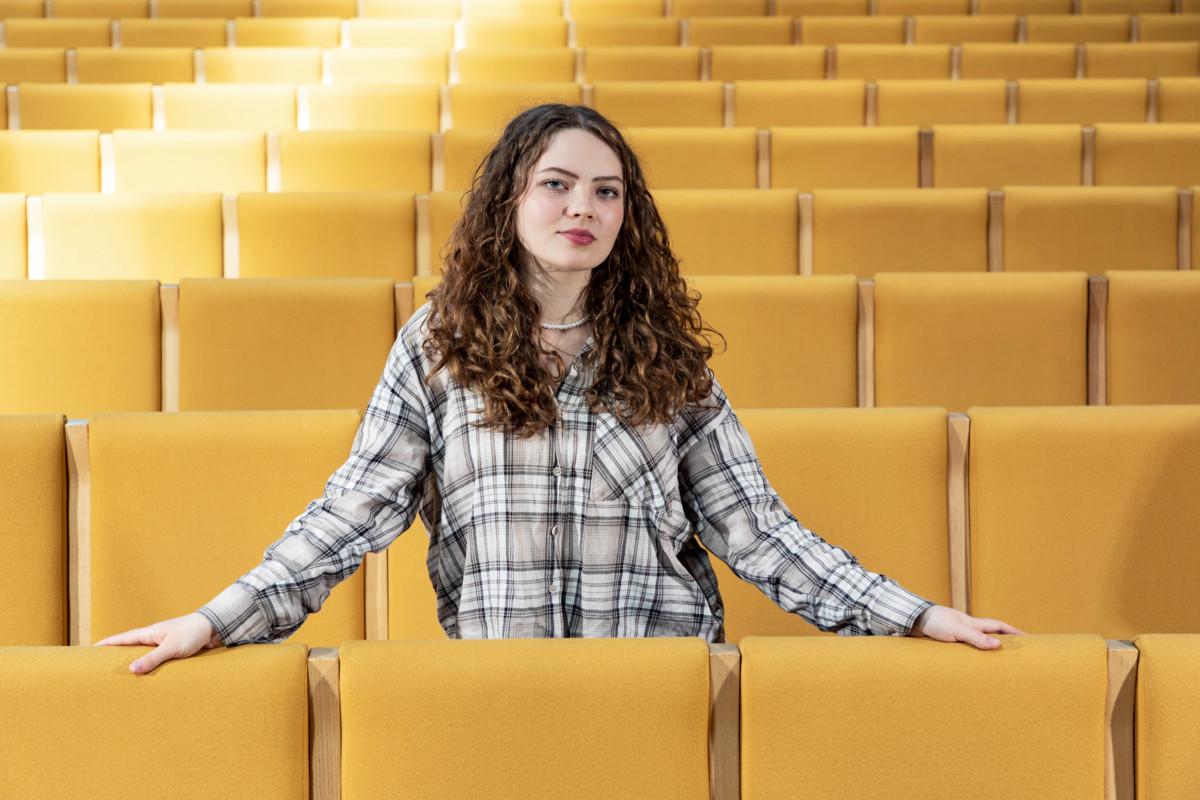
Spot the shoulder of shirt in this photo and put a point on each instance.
(700, 419)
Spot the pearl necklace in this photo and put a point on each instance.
(564, 326)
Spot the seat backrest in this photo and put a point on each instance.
(1153, 342)
(1167, 707)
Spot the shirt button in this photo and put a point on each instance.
(557, 471)
(553, 588)
(554, 531)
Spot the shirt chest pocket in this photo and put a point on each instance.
(632, 466)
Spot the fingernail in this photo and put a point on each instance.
(135, 666)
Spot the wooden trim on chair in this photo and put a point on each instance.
(572, 36)
(1012, 101)
(376, 567)
(1119, 721)
(304, 107)
(798, 30)
(1022, 29)
(763, 153)
(1097, 340)
(866, 343)
(274, 170)
(587, 95)
(1135, 28)
(925, 158)
(199, 66)
(444, 101)
(168, 298)
(581, 65)
(728, 105)
(108, 164)
(1152, 100)
(437, 177)
(158, 108)
(995, 237)
(35, 239)
(72, 59)
(956, 62)
(910, 29)
(79, 534)
(705, 63)
(831, 61)
(231, 243)
(324, 724)
(424, 235)
(452, 75)
(1089, 156)
(14, 107)
(958, 434)
(804, 220)
(724, 732)
(405, 303)
(685, 32)
(580, 62)
(871, 104)
(1080, 61)
(344, 42)
(1187, 201)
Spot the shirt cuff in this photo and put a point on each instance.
(235, 616)
(893, 610)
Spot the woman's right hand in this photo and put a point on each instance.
(175, 638)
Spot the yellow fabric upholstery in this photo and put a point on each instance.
(12, 236)
(173, 33)
(13, 9)
(666, 103)
(522, 9)
(926, 103)
(1179, 100)
(791, 341)
(626, 32)
(305, 33)
(224, 9)
(987, 339)
(641, 64)
(669, 157)
(1026, 7)
(516, 64)
(620, 9)
(1124, 6)
(251, 344)
(1075, 28)
(499, 32)
(1195, 227)
(720, 8)
(262, 65)
(94, 9)
(875, 61)
(1150, 155)
(445, 208)
(1143, 60)
(422, 286)
(1190, 7)
(638, 710)
(1082, 102)
(62, 706)
(308, 8)
(1082, 519)
(135, 65)
(904, 699)
(492, 106)
(1018, 61)
(210, 491)
(36, 162)
(428, 34)
(731, 231)
(910, 7)
(34, 503)
(374, 108)
(412, 601)
(389, 66)
(1090, 228)
(1169, 27)
(57, 33)
(76, 348)
(463, 150)
(423, 9)
(354, 161)
(327, 235)
(34, 64)
(188, 106)
(850, 30)
(101, 107)
(190, 161)
(767, 62)
(765, 104)
(1167, 707)
(145, 236)
(706, 32)
(845, 474)
(803, 8)
(833, 157)
(936, 29)
(995, 155)
(1153, 340)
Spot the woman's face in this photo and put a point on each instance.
(574, 205)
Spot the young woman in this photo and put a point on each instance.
(551, 414)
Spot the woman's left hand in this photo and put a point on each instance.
(948, 625)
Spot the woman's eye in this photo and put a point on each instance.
(554, 184)
(609, 191)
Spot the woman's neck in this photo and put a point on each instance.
(559, 293)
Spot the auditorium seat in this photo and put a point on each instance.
(15, 9)
(326, 235)
(307, 8)
(1153, 341)
(420, 9)
(1148, 155)
(1090, 228)
(246, 107)
(290, 33)
(851, 157)
(932, 102)
(12, 236)
(189, 9)
(63, 704)
(444, 211)
(1168, 27)
(34, 501)
(375, 107)
(522, 9)
(262, 65)
(411, 598)
(669, 157)
(1083, 519)
(1179, 100)
(1124, 6)
(766, 62)
(914, 7)
(283, 343)
(36, 162)
(463, 149)
(425, 34)
(385, 65)
(33, 65)
(1082, 102)
(1018, 61)
(502, 32)
(615, 9)
(663, 104)
(1077, 29)
(1167, 707)
(908, 61)
(57, 33)
(1026, 7)
(983, 339)
(340, 161)
(639, 712)
(78, 348)
(492, 106)
(1048, 730)
(134, 65)
(709, 31)
(627, 63)
(719, 8)
(770, 104)
(816, 8)
(422, 286)
(225, 162)
(597, 31)
(48, 106)
(515, 64)
(95, 9)
(852, 30)
(172, 33)
(211, 491)
(996, 155)
(731, 231)
(1142, 60)
(955, 29)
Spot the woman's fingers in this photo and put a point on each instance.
(151, 660)
(135, 636)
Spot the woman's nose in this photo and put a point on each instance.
(580, 207)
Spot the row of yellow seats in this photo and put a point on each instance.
(592, 719)
(951, 340)
(1058, 520)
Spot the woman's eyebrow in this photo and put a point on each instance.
(576, 177)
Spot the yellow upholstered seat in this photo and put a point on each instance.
(190, 161)
(12, 236)
(62, 704)
(958, 29)
(849, 157)
(36, 162)
(1179, 100)
(1081, 519)
(912, 7)
(876, 61)
(301, 33)
(666, 103)
(1094, 229)
(222, 9)
(1017, 61)
(463, 149)
(95, 9)
(639, 711)
(629, 63)
(48, 106)
(252, 344)
(1082, 102)
(327, 235)
(245, 107)
(374, 107)
(1154, 155)
(515, 64)
(852, 30)
(421, 34)
(34, 502)
(518, 9)
(493, 105)
(1142, 60)
(986, 339)
(709, 31)
(17, 9)
(1049, 729)
(768, 104)
(57, 33)
(719, 8)
(1153, 340)
(1167, 707)
(505, 32)
(669, 157)
(307, 8)
(412, 600)
(419, 9)
(445, 209)
(657, 31)
(996, 155)
(134, 65)
(327, 161)
(77, 348)
(816, 8)
(387, 65)
(1026, 7)
(791, 341)
(1075, 28)
(615, 9)
(172, 33)
(767, 62)
(1125, 6)
(933, 102)
(1168, 27)
(731, 231)
(33, 64)
(262, 64)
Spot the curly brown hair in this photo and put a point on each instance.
(650, 345)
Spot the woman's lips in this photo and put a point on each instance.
(579, 238)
